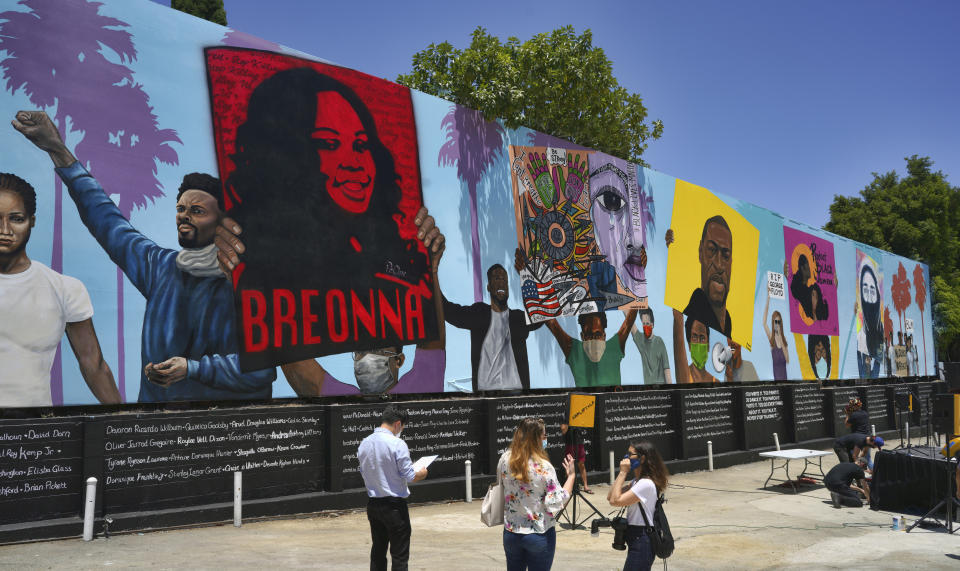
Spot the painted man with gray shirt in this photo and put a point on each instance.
(656, 363)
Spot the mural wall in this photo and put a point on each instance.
(191, 213)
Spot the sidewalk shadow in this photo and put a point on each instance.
(788, 489)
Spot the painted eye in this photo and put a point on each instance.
(326, 144)
(610, 201)
(361, 146)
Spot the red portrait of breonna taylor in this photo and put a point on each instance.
(320, 168)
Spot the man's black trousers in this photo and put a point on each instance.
(844, 454)
(848, 496)
(389, 525)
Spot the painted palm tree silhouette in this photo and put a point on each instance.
(473, 145)
(57, 54)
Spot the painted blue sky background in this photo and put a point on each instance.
(780, 104)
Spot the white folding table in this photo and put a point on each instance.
(794, 454)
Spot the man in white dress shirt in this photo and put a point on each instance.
(386, 469)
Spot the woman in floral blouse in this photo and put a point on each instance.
(532, 498)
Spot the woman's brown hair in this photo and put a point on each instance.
(527, 443)
(651, 464)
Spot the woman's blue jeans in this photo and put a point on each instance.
(529, 551)
(639, 554)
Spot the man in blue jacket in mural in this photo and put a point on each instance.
(189, 341)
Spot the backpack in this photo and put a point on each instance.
(661, 540)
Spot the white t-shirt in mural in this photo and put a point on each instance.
(498, 368)
(35, 306)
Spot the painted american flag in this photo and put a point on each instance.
(540, 298)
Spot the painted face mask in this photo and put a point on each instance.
(698, 352)
(200, 262)
(647, 331)
(373, 373)
(822, 369)
(594, 349)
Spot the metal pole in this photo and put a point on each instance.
(710, 455)
(237, 497)
(469, 483)
(776, 440)
(907, 425)
(88, 506)
(873, 429)
(613, 470)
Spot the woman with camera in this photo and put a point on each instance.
(532, 498)
(640, 494)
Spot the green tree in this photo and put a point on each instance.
(917, 216)
(210, 10)
(557, 83)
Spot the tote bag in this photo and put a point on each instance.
(491, 510)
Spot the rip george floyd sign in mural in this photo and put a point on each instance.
(222, 218)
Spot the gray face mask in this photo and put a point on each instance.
(200, 262)
(373, 373)
(594, 348)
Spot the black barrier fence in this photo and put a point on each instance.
(302, 457)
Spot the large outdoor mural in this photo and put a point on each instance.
(222, 218)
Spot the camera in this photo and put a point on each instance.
(596, 524)
(619, 525)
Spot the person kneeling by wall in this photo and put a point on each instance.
(840, 481)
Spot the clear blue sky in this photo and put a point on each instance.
(782, 104)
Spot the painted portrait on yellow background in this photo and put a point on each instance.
(818, 356)
(711, 263)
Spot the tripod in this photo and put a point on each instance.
(949, 503)
(572, 517)
(901, 406)
(929, 425)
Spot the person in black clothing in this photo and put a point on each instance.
(839, 480)
(857, 419)
(850, 447)
(499, 361)
(957, 475)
